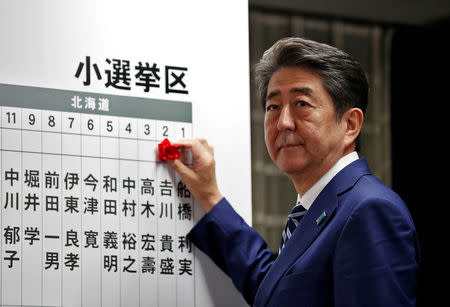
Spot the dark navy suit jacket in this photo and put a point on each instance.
(364, 252)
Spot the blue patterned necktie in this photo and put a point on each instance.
(293, 220)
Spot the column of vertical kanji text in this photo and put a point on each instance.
(184, 222)
(32, 185)
(11, 209)
(91, 218)
(129, 217)
(167, 266)
(51, 214)
(148, 232)
(72, 236)
(110, 210)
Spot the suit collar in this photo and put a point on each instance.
(317, 218)
(350, 175)
(308, 198)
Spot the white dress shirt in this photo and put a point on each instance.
(310, 196)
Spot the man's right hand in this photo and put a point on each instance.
(200, 178)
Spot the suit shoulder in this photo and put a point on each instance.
(370, 194)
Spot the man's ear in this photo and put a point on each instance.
(352, 120)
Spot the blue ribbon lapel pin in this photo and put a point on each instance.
(321, 218)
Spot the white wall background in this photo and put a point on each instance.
(42, 42)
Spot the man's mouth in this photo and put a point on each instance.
(282, 146)
(288, 141)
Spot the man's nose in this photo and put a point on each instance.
(285, 121)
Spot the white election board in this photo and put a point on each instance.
(89, 215)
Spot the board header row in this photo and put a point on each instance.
(94, 103)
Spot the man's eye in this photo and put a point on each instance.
(271, 107)
(302, 103)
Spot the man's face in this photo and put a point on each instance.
(301, 132)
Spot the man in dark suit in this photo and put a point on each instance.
(349, 240)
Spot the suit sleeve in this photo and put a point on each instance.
(376, 259)
(234, 246)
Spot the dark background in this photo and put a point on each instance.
(420, 150)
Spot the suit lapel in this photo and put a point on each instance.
(301, 239)
(317, 218)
